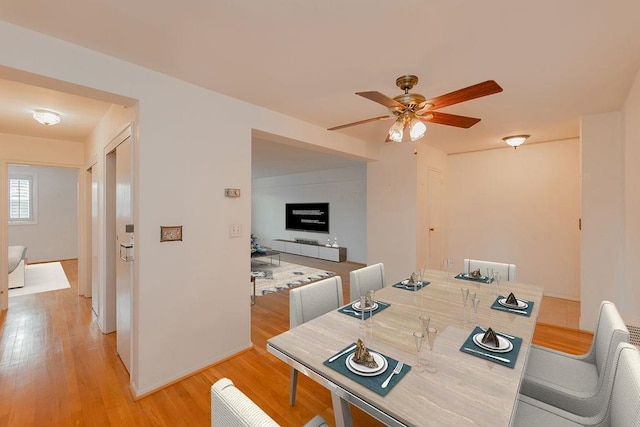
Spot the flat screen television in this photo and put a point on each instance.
(312, 217)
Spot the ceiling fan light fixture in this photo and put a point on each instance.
(46, 117)
(516, 140)
(397, 130)
(417, 128)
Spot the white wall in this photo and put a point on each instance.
(629, 304)
(522, 207)
(392, 211)
(602, 213)
(190, 307)
(54, 236)
(345, 189)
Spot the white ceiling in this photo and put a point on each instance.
(556, 60)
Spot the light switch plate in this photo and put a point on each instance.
(170, 233)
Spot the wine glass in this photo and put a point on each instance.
(370, 299)
(475, 303)
(418, 337)
(465, 299)
(363, 304)
(497, 277)
(424, 322)
(431, 338)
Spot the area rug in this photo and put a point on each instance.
(273, 277)
(48, 276)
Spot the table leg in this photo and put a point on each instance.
(253, 297)
(341, 411)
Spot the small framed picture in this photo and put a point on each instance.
(170, 233)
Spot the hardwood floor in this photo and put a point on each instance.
(58, 369)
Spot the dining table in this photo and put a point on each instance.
(470, 386)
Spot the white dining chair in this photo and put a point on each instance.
(308, 302)
(230, 407)
(507, 271)
(574, 383)
(621, 406)
(364, 279)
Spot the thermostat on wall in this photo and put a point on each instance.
(232, 192)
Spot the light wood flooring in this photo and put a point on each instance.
(58, 369)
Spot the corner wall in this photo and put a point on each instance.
(602, 214)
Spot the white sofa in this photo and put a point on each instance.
(17, 266)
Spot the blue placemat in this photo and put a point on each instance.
(472, 348)
(411, 288)
(524, 312)
(483, 279)
(372, 383)
(349, 311)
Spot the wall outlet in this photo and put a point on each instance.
(235, 230)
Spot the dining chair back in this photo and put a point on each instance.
(230, 407)
(366, 278)
(507, 271)
(308, 302)
(574, 383)
(620, 407)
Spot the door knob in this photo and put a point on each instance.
(432, 229)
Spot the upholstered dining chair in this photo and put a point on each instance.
(230, 407)
(621, 406)
(507, 271)
(574, 383)
(365, 279)
(308, 302)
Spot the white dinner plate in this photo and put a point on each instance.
(521, 304)
(356, 306)
(505, 344)
(359, 369)
(406, 283)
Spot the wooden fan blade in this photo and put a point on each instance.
(449, 119)
(381, 98)
(472, 92)
(360, 122)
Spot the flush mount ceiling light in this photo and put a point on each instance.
(45, 117)
(516, 140)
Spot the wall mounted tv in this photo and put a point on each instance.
(307, 217)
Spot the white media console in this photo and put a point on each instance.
(312, 250)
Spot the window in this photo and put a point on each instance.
(21, 199)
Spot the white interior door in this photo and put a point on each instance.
(95, 247)
(124, 248)
(434, 199)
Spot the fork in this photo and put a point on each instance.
(396, 370)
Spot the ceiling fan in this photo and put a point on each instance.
(412, 110)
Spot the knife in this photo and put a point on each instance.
(343, 352)
(512, 310)
(502, 359)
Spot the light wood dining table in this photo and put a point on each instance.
(465, 390)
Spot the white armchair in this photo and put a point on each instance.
(507, 271)
(575, 383)
(308, 302)
(364, 279)
(619, 408)
(230, 407)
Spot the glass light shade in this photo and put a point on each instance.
(48, 118)
(515, 140)
(417, 128)
(396, 131)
